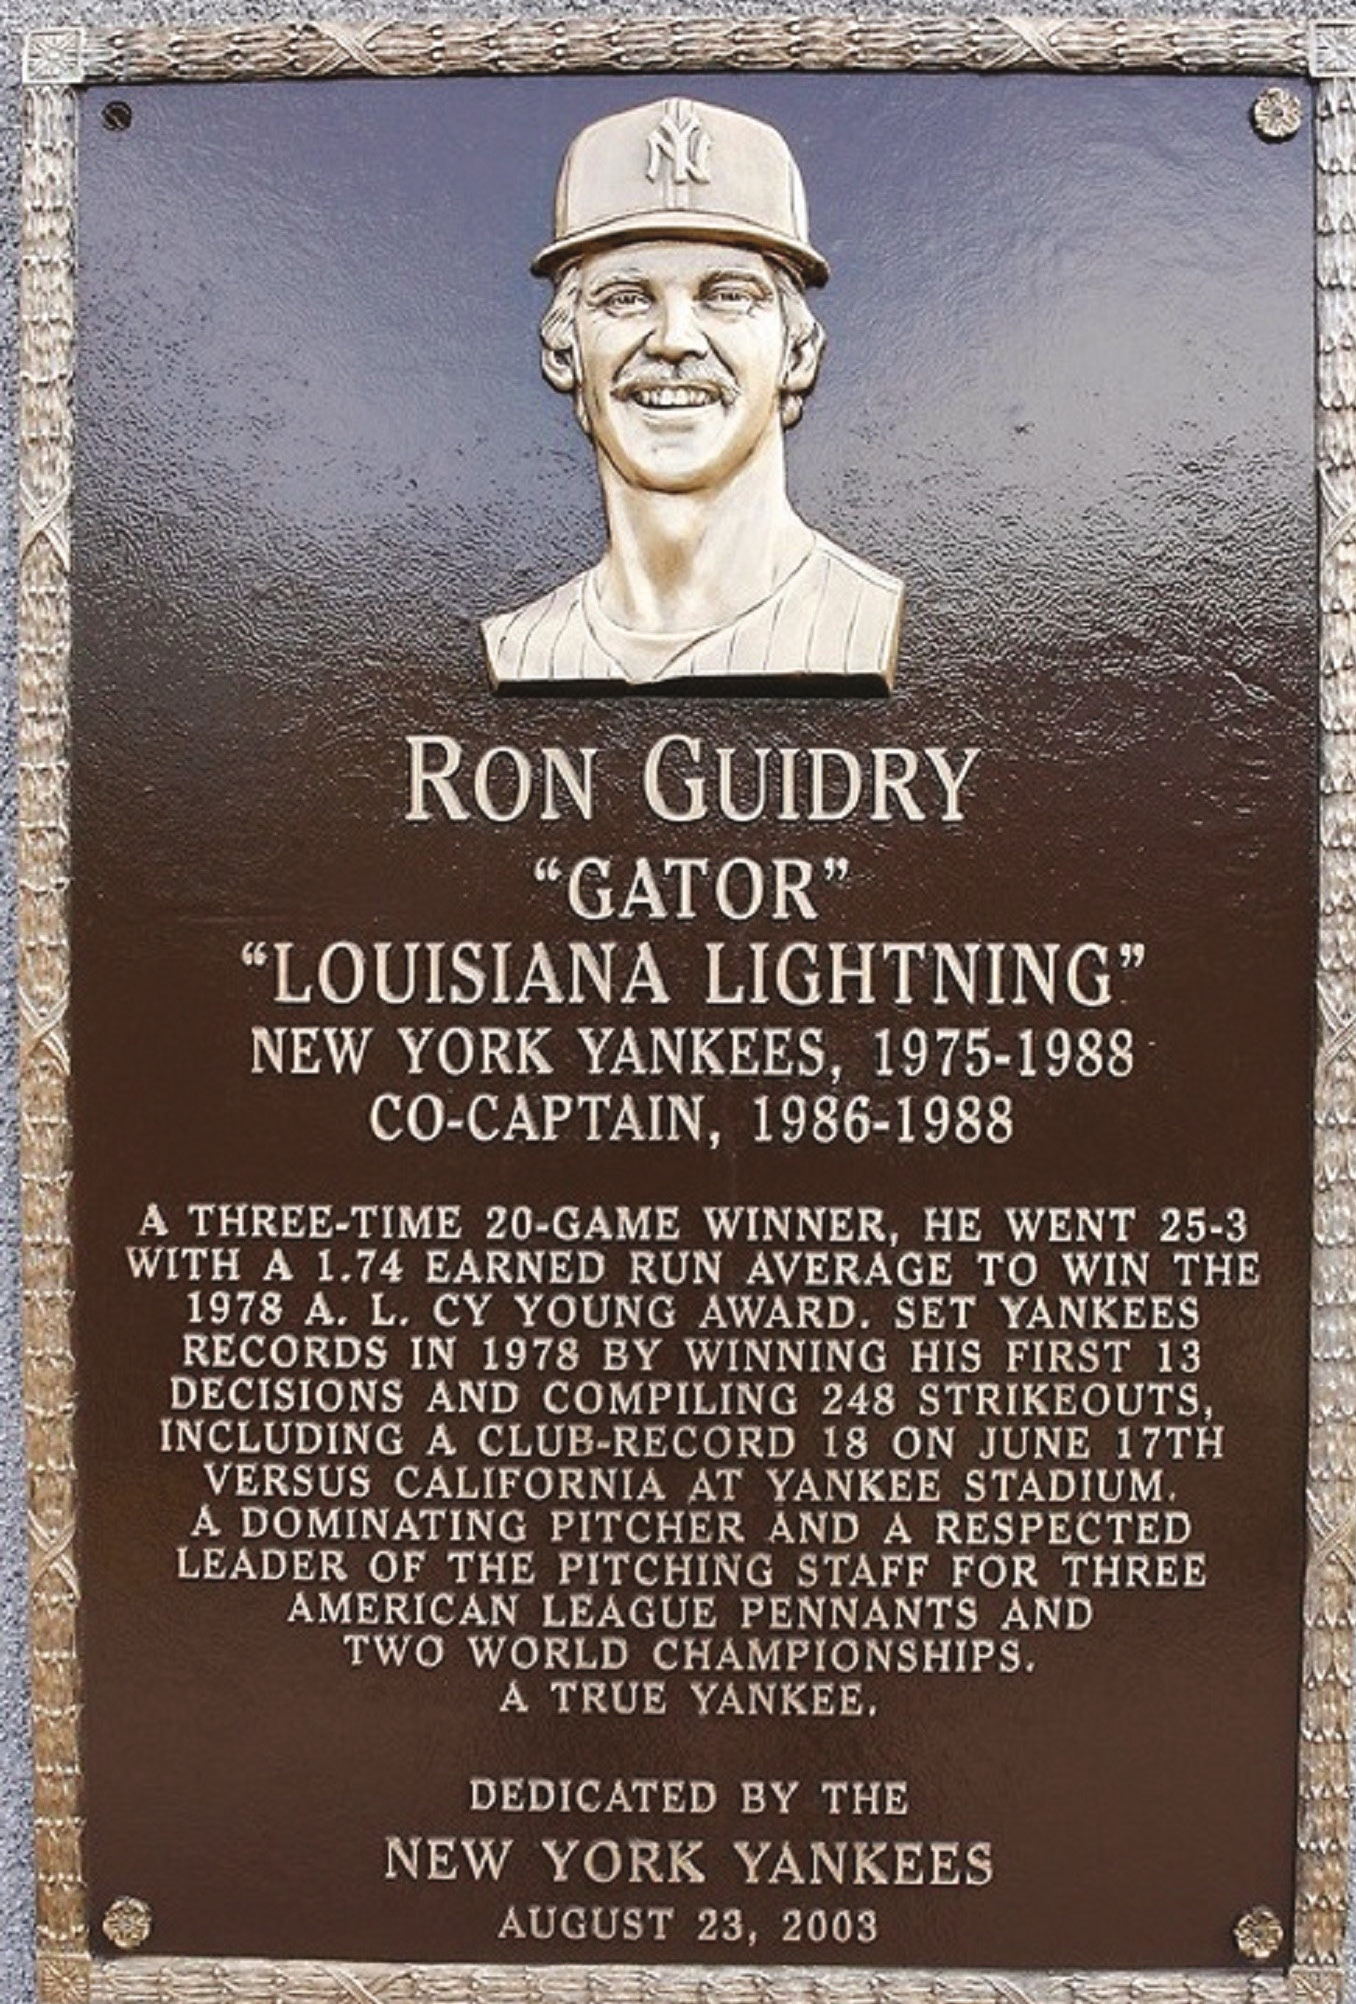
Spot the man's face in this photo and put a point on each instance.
(682, 351)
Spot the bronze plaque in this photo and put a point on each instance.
(692, 964)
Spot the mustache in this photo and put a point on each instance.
(691, 373)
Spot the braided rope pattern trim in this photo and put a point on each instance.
(1325, 1722)
(148, 1980)
(46, 355)
(447, 47)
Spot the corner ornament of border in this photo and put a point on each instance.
(1332, 49)
(1316, 1986)
(54, 56)
(62, 1978)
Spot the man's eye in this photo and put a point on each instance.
(733, 298)
(624, 299)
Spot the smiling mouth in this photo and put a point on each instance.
(674, 396)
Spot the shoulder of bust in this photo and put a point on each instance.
(518, 644)
(854, 569)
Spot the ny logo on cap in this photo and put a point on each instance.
(680, 151)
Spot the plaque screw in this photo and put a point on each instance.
(1259, 1934)
(1277, 114)
(116, 115)
(127, 1922)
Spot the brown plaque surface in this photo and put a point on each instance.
(692, 1299)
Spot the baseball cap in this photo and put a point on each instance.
(679, 168)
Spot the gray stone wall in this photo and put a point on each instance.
(16, 16)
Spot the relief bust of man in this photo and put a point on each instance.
(680, 327)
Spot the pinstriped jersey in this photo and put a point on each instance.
(834, 616)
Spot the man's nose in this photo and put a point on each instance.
(677, 330)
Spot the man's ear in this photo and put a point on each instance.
(800, 369)
(558, 367)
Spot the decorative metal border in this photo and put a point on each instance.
(56, 62)
(46, 355)
(1325, 1718)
